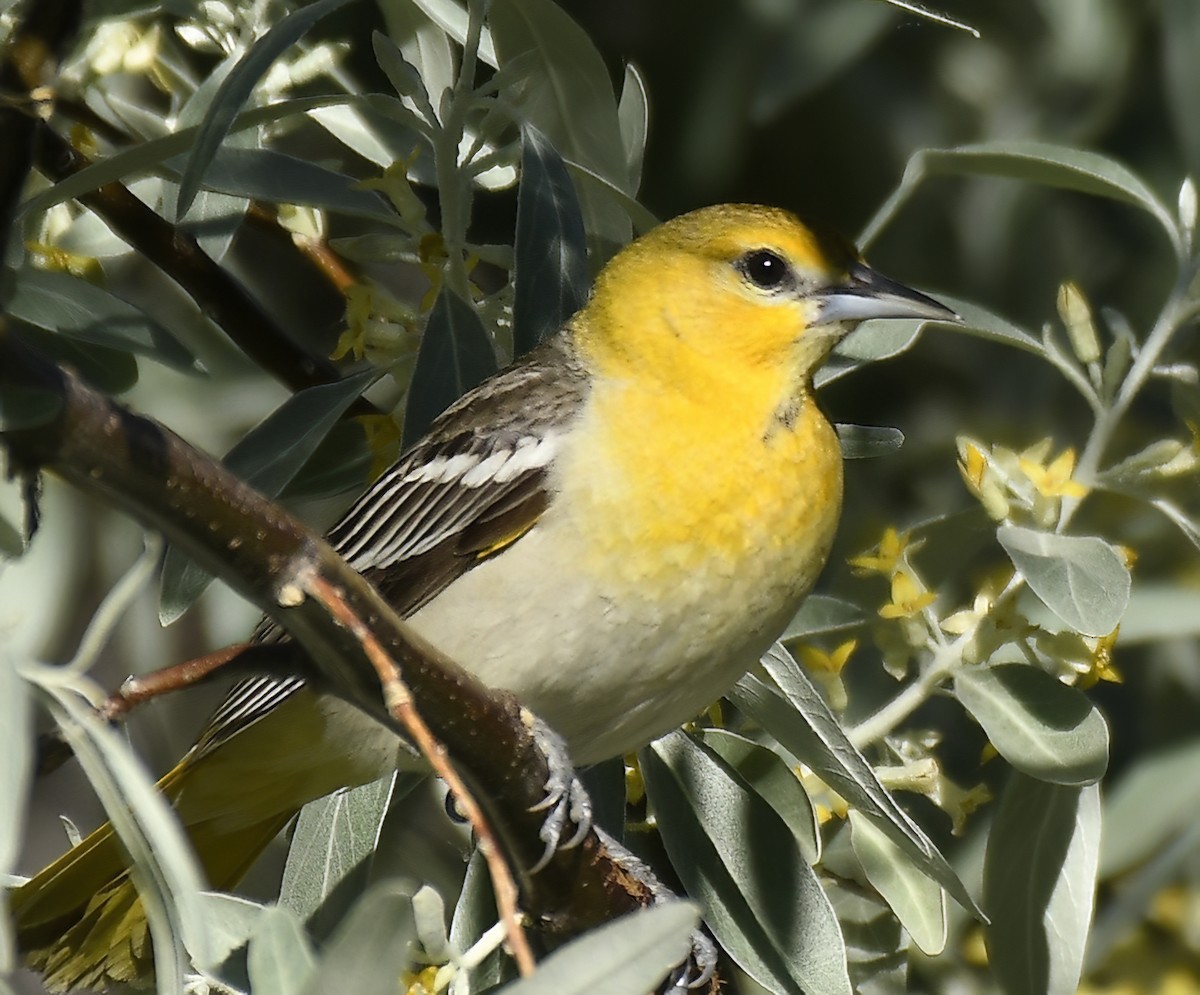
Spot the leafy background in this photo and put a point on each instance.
(1061, 229)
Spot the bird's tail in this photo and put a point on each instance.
(80, 921)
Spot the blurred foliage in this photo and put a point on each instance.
(1019, 579)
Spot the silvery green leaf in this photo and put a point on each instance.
(819, 741)
(12, 543)
(231, 921)
(820, 615)
(1038, 724)
(568, 98)
(280, 959)
(424, 47)
(770, 915)
(16, 763)
(1156, 800)
(1159, 611)
(456, 354)
(633, 116)
(765, 773)
(169, 879)
(69, 306)
(473, 916)
(631, 954)
(868, 441)
(1039, 884)
(919, 902)
(1082, 579)
(1043, 163)
(451, 17)
(267, 457)
(372, 946)
(237, 87)
(333, 838)
(551, 272)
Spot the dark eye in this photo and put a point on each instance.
(767, 270)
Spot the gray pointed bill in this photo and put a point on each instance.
(866, 294)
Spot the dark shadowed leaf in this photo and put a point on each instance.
(456, 354)
(551, 246)
(67, 305)
(266, 457)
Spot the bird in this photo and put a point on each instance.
(613, 529)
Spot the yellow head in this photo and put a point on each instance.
(739, 291)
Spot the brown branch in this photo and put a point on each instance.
(398, 700)
(272, 559)
(220, 296)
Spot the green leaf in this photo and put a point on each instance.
(16, 766)
(819, 741)
(868, 441)
(149, 156)
(1180, 20)
(231, 920)
(633, 117)
(280, 958)
(1043, 163)
(169, 878)
(1039, 884)
(1159, 611)
(111, 371)
(1082, 579)
(764, 772)
(473, 916)
(821, 615)
(919, 903)
(375, 943)
(568, 97)
(1039, 725)
(236, 88)
(980, 323)
(333, 837)
(278, 178)
(551, 273)
(267, 457)
(736, 856)
(630, 954)
(1155, 801)
(450, 16)
(456, 354)
(66, 305)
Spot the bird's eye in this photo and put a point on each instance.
(767, 270)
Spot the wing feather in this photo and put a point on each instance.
(473, 486)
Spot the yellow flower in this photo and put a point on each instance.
(908, 597)
(885, 558)
(383, 440)
(815, 658)
(1102, 668)
(1054, 481)
(420, 983)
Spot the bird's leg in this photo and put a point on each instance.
(566, 798)
(701, 964)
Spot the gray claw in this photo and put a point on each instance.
(565, 800)
(702, 959)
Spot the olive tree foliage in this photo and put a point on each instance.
(907, 792)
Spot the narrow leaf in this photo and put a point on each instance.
(456, 354)
(1082, 579)
(1039, 725)
(1039, 884)
(633, 116)
(375, 943)
(280, 958)
(738, 859)
(237, 87)
(551, 246)
(631, 954)
(868, 441)
(822, 614)
(267, 457)
(919, 903)
(73, 307)
(16, 765)
(819, 741)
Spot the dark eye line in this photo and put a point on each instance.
(766, 270)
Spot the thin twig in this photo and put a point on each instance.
(400, 705)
